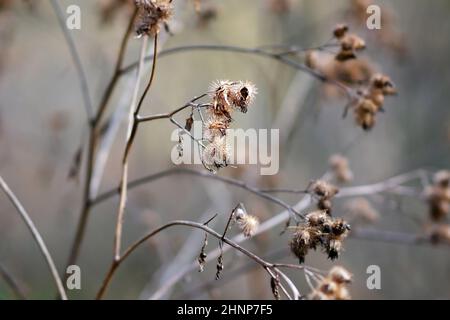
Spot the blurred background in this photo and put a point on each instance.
(43, 124)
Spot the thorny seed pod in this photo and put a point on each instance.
(340, 30)
(341, 169)
(334, 248)
(333, 286)
(323, 189)
(319, 229)
(438, 196)
(317, 218)
(216, 154)
(242, 95)
(151, 15)
(440, 234)
(246, 222)
(340, 275)
(226, 97)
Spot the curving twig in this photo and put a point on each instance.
(37, 237)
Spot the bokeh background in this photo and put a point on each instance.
(43, 123)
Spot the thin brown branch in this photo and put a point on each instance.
(135, 183)
(253, 51)
(36, 235)
(148, 236)
(92, 144)
(76, 59)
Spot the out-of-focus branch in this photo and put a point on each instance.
(76, 59)
(36, 235)
(266, 265)
(253, 51)
(11, 282)
(135, 183)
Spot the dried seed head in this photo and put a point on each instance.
(340, 30)
(317, 218)
(340, 167)
(216, 155)
(248, 224)
(440, 234)
(242, 95)
(151, 15)
(323, 189)
(360, 209)
(334, 248)
(442, 178)
(333, 286)
(215, 127)
(340, 275)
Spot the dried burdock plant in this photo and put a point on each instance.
(151, 15)
(319, 230)
(440, 234)
(341, 169)
(324, 191)
(438, 196)
(350, 44)
(360, 211)
(334, 286)
(226, 97)
(246, 222)
(371, 100)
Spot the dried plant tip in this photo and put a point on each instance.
(440, 234)
(216, 155)
(248, 224)
(340, 275)
(340, 30)
(275, 286)
(202, 256)
(361, 210)
(333, 286)
(323, 189)
(341, 169)
(151, 15)
(219, 267)
(334, 248)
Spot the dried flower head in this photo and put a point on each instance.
(246, 222)
(151, 15)
(349, 43)
(216, 154)
(360, 210)
(438, 196)
(340, 275)
(333, 286)
(341, 169)
(440, 234)
(319, 230)
(324, 191)
(226, 97)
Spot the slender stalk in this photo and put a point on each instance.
(252, 51)
(92, 144)
(37, 237)
(76, 59)
(131, 133)
(196, 225)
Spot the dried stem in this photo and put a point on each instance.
(92, 144)
(253, 51)
(196, 225)
(37, 237)
(76, 59)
